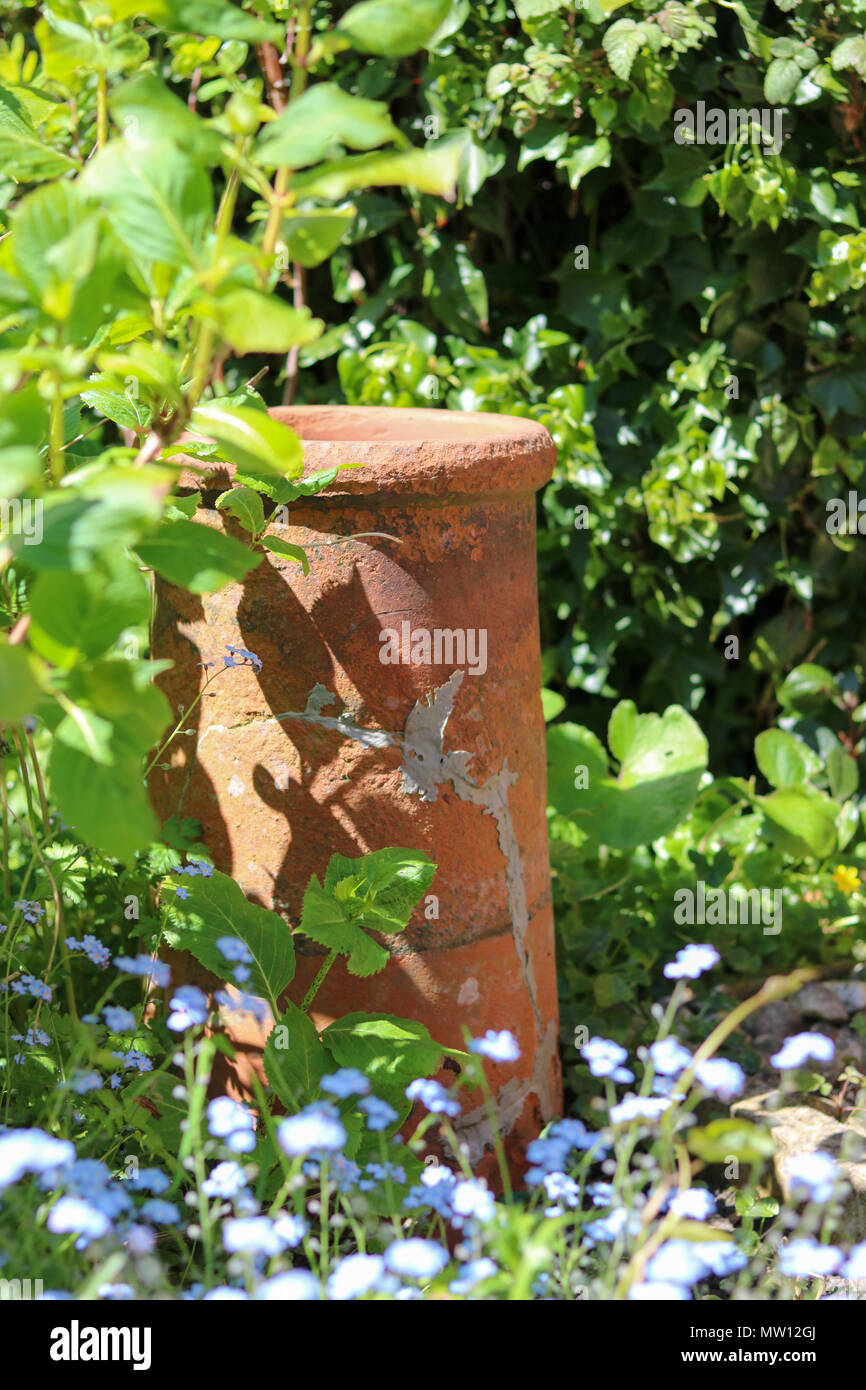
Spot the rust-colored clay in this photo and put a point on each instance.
(329, 749)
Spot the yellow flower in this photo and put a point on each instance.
(848, 880)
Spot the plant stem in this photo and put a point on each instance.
(319, 981)
(101, 110)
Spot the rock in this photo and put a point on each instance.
(837, 1289)
(819, 1001)
(805, 1124)
(851, 993)
(777, 1020)
(848, 1048)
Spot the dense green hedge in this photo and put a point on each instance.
(704, 375)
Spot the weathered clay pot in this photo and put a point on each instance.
(328, 748)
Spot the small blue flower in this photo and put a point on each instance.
(149, 1180)
(348, 1081)
(252, 1235)
(687, 1261)
(95, 950)
(84, 1081)
(354, 1276)
(226, 1180)
(379, 1113)
(244, 1003)
(807, 1259)
(229, 1120)
(691, 961)
(295, 1285)
(725, 1079)
(416, 1258)
(82, 1217)
(134, 1060)
(470, 1275)
(499, 1047)
(188, 1009)
(605, 1059)
(31, 1151)
(433, 1097)
(30, 911)
(159, 1212)
(181, 892)
(154, 970)
(813, 1175)
(119, 1020)
(669, 1057)
(234, 949)
(315, 1131)
(802, 1048)
(657, 1291)
(647, 1108)
(471, 1201)
(695, 1204)
(140, 1240)
(563, 1192)
(290, 1229)
(28, 984)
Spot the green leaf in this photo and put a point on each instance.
(215, 908)
(20, 691)
(75, 615)
(843, 773)
(146, 106)
(388, 1050)
(850, 53)
(251, 439)
(24, 154)
(783, 759)
(804, 823)
(310, 238)
(96, 778)
(288, 551)
(807, 688)
(250, 321)
(196, 557)
(552, 704)
(295, 1058)
(327, 921)
(112, 509)
(622, 43)
(19, 469)
(583, 160)
(158, 199)
(320, 125)
(662, 762)
(393, 28)
(427, 171)
(781, 80)
(218, 18)
(395, 880)
(719, 1140)
(54, 244)
(456, 290)
(245, 504)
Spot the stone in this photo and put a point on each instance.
(817, 1000)
(777, 1020)
(851, 993)
(805, 1124)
